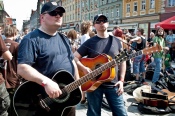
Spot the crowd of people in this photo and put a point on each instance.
(38, 55)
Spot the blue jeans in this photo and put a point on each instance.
(139, 64)
(158, 62)
(115, 102)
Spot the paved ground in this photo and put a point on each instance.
(130, 104)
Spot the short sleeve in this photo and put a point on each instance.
(27, 52)
(83, 49)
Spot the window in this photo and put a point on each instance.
(143, 5)
(127, 7)
(82, 4)
(171, 2)
(107, 14)
(103, 2)
(112, 13)
(152, 4)
(117, 12)
(135, 6)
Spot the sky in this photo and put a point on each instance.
(20, 9)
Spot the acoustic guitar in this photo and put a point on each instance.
(30, 99)
(103, 69)
(161, 99)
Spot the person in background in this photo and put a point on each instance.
(126, 32)
(150, 40)
(167, 62)
(119, 34)
(45, 51)
(113, 31)
(4, 95)
(110, 45)
(1, 33)
(158, 39)
(170, 39)
(25, 32)
(12, 80)
(72, 35)
(86, 28)
(92, 34)
(138, 62)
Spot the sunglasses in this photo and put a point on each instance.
(99, 21)
(54, 13)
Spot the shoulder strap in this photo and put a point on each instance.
(109, 44)
(63, 37)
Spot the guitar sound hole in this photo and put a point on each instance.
(97, 66)
(64, 96)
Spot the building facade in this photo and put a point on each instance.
(113, 10)
(142, 13)
(33, 20)
(128, 14)
(168, 9)
(79, 10)
(3, 14)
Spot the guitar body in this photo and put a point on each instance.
(94, 63)
(26, 101)
(170, 95)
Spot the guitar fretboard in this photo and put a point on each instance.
(135, 54)
(72, 86)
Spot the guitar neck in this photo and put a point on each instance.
(135, 54)
(72, 86)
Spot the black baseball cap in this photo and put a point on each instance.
(51, 6)
(98, 16)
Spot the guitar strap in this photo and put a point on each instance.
(109, 44)
(67, 43)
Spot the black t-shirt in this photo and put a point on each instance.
(142, 45)
(46, 53)
(96, 45)
(150, 40)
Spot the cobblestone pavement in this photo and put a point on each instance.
(130, 104)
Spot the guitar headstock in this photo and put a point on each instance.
(123, 56)
(152, 49)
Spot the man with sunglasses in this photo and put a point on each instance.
(110, 45)
(44, 51)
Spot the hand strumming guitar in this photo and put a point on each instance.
(52, 88)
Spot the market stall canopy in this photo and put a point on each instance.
(167, 24)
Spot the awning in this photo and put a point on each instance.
(167, 24)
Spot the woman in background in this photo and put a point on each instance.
(72, 35)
